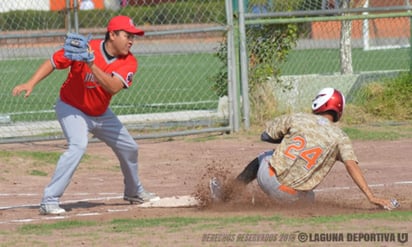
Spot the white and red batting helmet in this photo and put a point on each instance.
(329, 100)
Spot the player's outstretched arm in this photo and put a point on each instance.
(42, 72)
(357, 176)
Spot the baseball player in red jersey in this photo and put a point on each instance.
(83, 107)
(308, 147)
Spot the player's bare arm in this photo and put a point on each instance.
(42, 72)
(111, 84)
(355, 172)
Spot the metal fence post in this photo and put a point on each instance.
(244, 67)
(68, 18)
(231, 69)
(76, 16)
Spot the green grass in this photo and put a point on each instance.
(128, 225)
(44, 229)
(40, 158)
(371, 135)
(163, 83)
(389, 99)
(174, 82)
(327, 61)
(38, 173)
(46, 157)
(383, 131)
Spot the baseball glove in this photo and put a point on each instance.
(76, 48)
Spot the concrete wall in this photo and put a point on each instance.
(305, 87)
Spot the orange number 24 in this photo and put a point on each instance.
(309, 155)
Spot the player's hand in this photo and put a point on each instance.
(17, 90)
(384, 203)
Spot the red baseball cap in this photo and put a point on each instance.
(124, 23)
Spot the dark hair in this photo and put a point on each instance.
(334, 115)
(107, 36)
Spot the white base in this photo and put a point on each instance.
(171, 202)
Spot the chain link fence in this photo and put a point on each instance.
(195, 51)
(173, 90)
(302, 46)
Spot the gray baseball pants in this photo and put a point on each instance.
(76, 125)
(269, 183)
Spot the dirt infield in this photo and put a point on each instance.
(182, 167)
